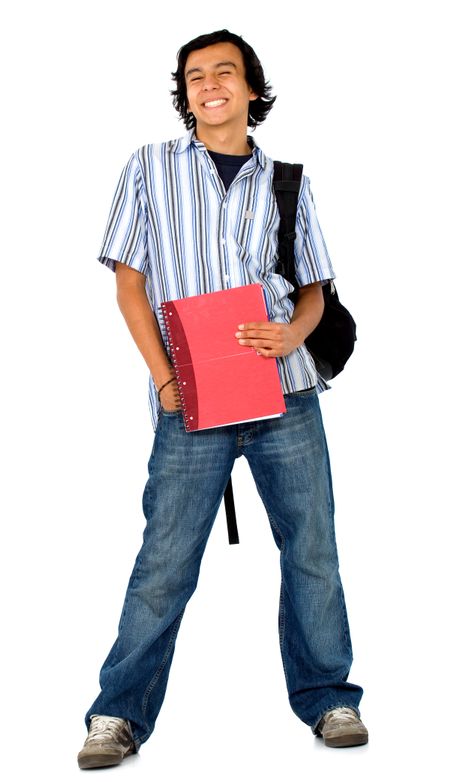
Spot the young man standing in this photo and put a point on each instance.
(192, 216)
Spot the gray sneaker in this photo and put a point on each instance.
(341, 728)
(108, 742)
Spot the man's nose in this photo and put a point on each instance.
(210, 82)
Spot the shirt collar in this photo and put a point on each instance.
(181, 145)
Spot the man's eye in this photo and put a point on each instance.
(223, 73)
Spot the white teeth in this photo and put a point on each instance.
(213, 104)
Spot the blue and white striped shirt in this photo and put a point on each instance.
(172, 220)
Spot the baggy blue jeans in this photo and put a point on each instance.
(188, 473)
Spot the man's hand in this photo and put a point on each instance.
(279, 339)
(170, 397)
(269, 338)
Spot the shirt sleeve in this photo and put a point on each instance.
(125, 238)
(312, 262)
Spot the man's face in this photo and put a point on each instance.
(217, 90)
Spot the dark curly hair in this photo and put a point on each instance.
(254, 74)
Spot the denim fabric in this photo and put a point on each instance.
(188, 473)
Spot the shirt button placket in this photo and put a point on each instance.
(223, 242)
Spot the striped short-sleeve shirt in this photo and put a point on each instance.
(173, 220)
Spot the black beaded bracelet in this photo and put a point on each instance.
(164, 386)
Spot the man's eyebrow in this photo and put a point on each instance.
(217, 65)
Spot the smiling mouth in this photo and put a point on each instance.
(215, 104)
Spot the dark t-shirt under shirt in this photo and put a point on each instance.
(228, 165)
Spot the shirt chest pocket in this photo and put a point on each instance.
(258, 261)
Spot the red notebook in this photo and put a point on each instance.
(220, 381)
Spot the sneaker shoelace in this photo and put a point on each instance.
(341, 715)
(106, 728)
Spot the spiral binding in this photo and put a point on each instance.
(169, 342)
(162, 325)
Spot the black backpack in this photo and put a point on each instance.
(332, 342)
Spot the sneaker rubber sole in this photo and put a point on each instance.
(95, 760)
(346, 740)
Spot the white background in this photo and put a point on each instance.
(363, 97)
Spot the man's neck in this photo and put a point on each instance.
(222, 141)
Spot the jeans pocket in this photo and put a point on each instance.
(302, 393)
(170, 413)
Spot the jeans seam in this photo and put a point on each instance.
(345, 622)
(162, 665)
(282, 618)
(331, 512)
(149, 491)
(149, 494)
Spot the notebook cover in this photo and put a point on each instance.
(220, 381)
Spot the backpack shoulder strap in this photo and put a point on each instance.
(230, 512)
(286, 182)
(287, 178)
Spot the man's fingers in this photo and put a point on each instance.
(263, 329)
(260, 342)
(255, 334)
(254, 325)
(250, 337)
